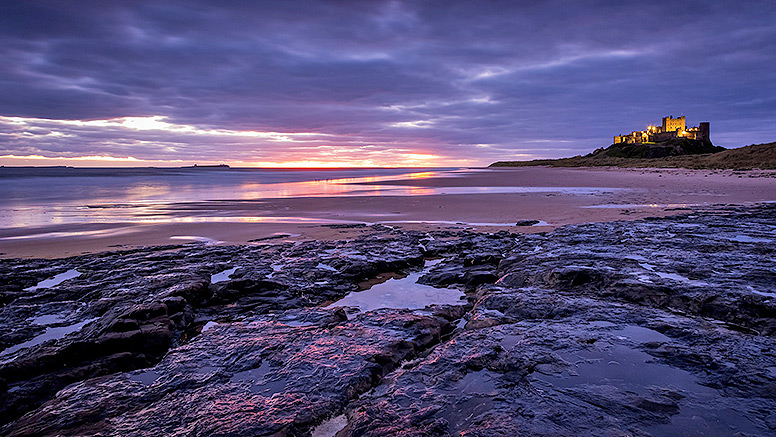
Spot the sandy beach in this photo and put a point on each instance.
(484, 200)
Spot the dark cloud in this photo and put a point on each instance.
(544, 78)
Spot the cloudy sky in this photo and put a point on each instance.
(373, 83)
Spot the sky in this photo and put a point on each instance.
(372, 83)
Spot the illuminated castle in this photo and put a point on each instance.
(671, 128)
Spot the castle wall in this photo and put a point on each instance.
(671, 128)
(662, 136)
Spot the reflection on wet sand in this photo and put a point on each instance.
(224, 194)
(135, 210)
(44, 201)
(227, 210)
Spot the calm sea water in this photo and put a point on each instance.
(60, 195)
(38, 197)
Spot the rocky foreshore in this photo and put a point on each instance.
(655, 327)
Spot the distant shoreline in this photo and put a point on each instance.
(756, 156)
(228, 167)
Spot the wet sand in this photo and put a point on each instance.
(555, 196)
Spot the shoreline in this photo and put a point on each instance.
(549, 195)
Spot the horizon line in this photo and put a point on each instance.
(229, 167)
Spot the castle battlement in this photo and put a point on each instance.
(670, 128)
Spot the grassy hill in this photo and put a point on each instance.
(672, 147)
(762, 156)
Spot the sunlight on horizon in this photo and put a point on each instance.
(409, 161)
(240, 148)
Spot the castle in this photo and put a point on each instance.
(671, 128)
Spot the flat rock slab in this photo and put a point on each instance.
(260, 377)
(609, 370)
(125, 310)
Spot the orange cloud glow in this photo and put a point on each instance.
(156, 141)
(410, 160)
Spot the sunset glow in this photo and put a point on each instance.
(382, 84)
(410, 160)
(249, 148)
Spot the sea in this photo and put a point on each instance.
(44, 196)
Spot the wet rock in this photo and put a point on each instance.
(441, 278)
(473, 278)
(558, 378)
(257, 377)
(271, 237)
(481, 258)
(702, 265)
(346, 226)
(652, 327)
(144, 302)
(232, 290)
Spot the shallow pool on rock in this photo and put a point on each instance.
(402, 293)
(51, 333)
(692, 409)
(473, 396)
(56, 280)
(222, 276)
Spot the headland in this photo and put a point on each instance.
(670, 145)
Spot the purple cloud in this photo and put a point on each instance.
(468, 82)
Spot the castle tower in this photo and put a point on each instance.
(671, 124)
(704, 131)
